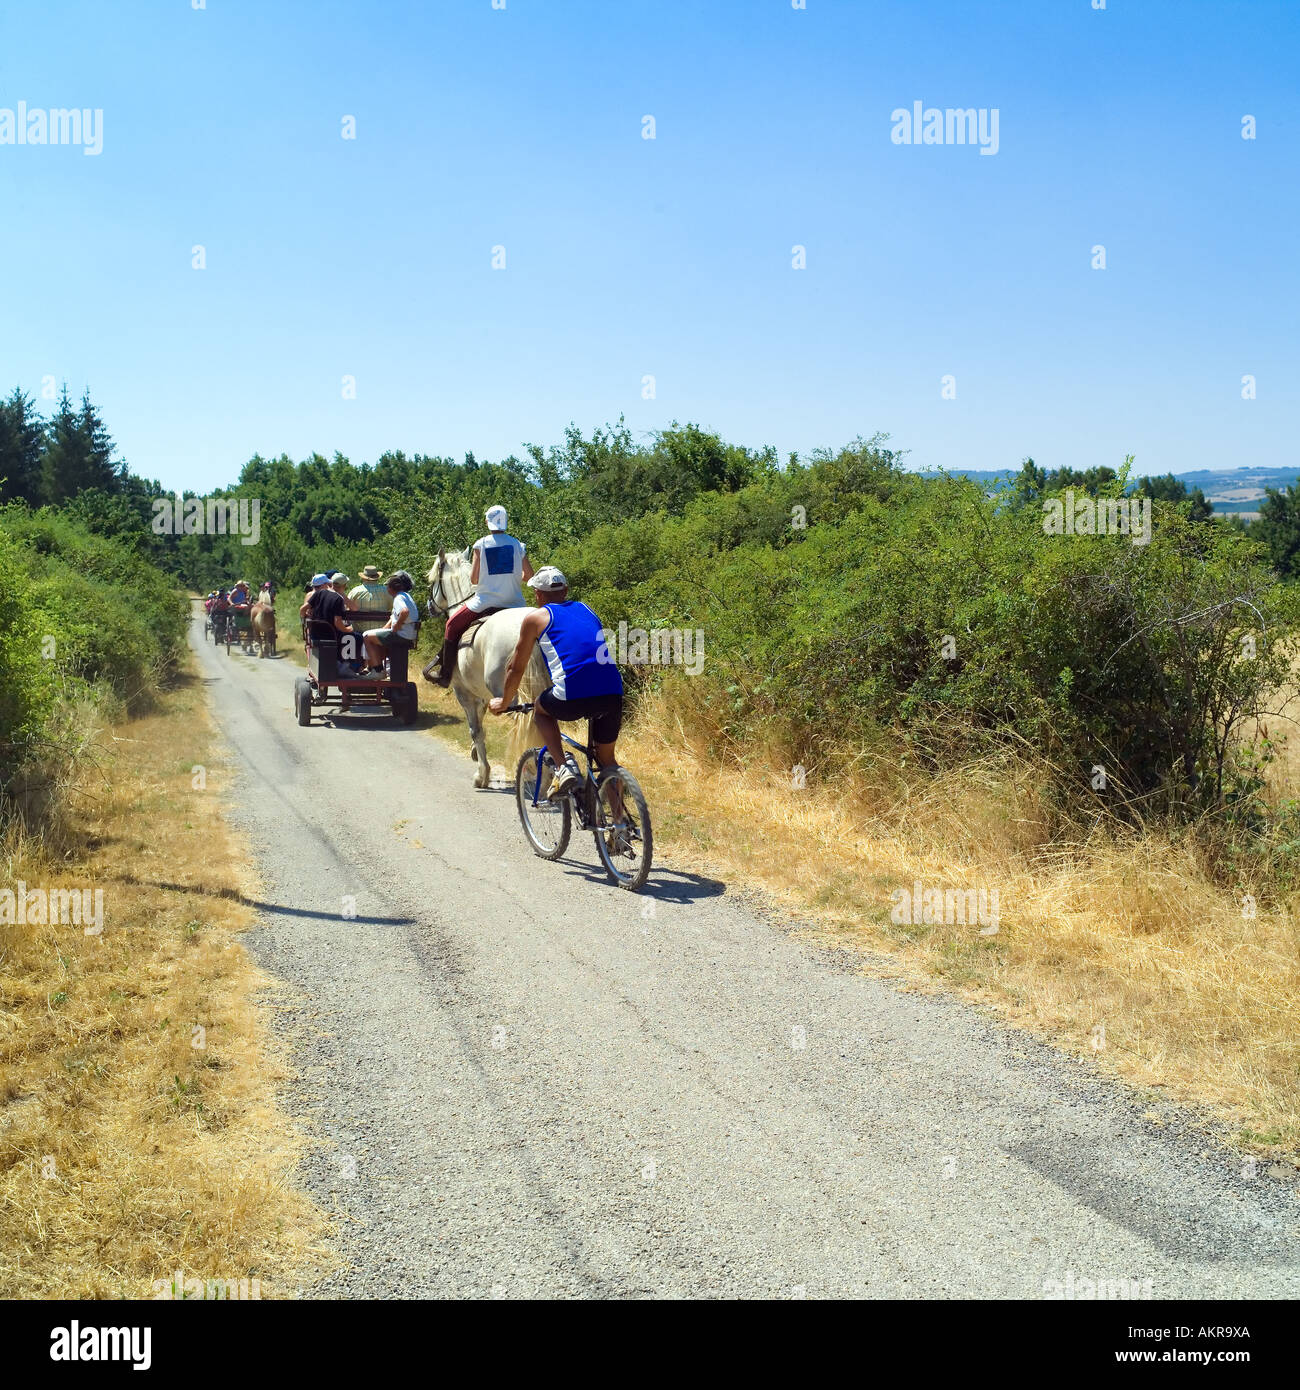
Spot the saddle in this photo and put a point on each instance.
(446, 658)
(467, 637)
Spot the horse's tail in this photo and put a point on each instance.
(524, 732)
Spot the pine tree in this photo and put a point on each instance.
(22, 437)
(101, 471)
(79, 452)
(63, 465)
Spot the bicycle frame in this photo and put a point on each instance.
(586, 804)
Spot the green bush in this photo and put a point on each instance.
(84, 620)
(26, 687)
(115, 618)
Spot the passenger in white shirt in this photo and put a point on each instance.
(400, 627)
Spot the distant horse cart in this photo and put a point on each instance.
(324, 687)
(239, 628)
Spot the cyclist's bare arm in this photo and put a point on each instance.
(529, 630)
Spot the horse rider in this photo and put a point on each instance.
(501, 567)
(239, 595)
(585, 682)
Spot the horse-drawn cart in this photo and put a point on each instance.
(239, 628)
(324, 686)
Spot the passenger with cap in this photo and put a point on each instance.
(325, 611)
(339, 583)
(501, 568)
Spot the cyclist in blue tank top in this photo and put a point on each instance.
(585, 683)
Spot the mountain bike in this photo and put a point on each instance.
(607, 801)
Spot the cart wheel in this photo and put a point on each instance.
(302, 700)
(407, 705)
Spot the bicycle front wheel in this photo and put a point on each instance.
(623, 836)
(547, 824)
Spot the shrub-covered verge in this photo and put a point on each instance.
(89, 629)
(848, 599)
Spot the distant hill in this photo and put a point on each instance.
(1228, 489)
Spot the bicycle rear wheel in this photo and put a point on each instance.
(549, 823)
(624, 839)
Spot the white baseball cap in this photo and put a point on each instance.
(548, 578)
(496, 518)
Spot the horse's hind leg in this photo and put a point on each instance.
(475, 709)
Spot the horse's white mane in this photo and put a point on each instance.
(456, 566)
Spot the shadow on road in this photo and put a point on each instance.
(664, 885)
(275, 909)
(373, 717)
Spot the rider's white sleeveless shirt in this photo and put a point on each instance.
(500, 573)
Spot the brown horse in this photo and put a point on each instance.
(262, 618)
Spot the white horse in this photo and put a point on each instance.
(485, 652)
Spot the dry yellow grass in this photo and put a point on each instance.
(131, 1145)
(1121, 947)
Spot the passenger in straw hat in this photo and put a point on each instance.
(371, 593)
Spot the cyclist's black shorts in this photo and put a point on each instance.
(604, 711)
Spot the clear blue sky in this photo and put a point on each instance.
(478, 127)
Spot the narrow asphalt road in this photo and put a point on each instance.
(534, 1084)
